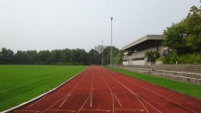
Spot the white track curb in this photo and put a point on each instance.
(20, 105)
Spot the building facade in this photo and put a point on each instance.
(135, 51)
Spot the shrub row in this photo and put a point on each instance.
(194, 58)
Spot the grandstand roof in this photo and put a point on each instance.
(148, 40)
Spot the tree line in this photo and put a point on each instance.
(61, 56)
(184, 39)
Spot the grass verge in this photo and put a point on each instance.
(20, 83)
(185, 88)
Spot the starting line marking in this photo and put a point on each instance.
(95, 110)
(101, 110)
(62, 110)
(72, 111)
(120, 109)
(34, 111)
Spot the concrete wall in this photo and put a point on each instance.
(134, 62)
(125, 63)
(193, 77)
(138, 62)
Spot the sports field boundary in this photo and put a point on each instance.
(40, 96)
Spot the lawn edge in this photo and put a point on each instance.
(40, 96)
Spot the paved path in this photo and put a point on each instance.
(99, 90)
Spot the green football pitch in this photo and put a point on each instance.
(19, 83)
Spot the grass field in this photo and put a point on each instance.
(19, 83)
(185, 88)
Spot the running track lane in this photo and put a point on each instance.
(99, 90)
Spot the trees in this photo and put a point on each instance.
(78, 56)
(118, 58)
(83, 58)
(193, 29)
(6, 56)
(55, 56)
(94, 57)
(106, 54)
(20, 57)
(44, 57)
(99, 48)
(184, 38)
(66, 55)
(59, 56)
(175, 38)
(152, 56)
(31, 56)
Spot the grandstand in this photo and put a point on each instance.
(135, 60)
(184, 73)
(135, 51)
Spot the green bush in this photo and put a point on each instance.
(194, 58)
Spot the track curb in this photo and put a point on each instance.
(40, 96)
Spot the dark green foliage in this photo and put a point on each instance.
(65, 56)
(184, 39)
(59, 56)
(171, 58)
(6, 56)
(94, 57)
(193, 58)
(78, 55)
(106, 54)
(44, 57)
(152, 56)
(193, 28)
(118, 58)
(175, 38)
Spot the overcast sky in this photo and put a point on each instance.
(59, 24)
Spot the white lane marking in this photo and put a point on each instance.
(65, 95)
(90, 95)
(138, 96)
(83, 104)
(110, 92)
(149, 104)
(134, 94)
(65, 100)
(162, 96)
(91, 102)
(35, 102)
(92, 86)
(117, 100)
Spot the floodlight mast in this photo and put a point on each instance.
(102, 48)
(111, 45)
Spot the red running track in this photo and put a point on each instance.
(99, 90)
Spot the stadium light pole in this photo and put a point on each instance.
(102, 52)
(111, 45)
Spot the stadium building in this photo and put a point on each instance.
(135, 51)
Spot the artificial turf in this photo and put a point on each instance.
(19, 83)
(185, 88)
